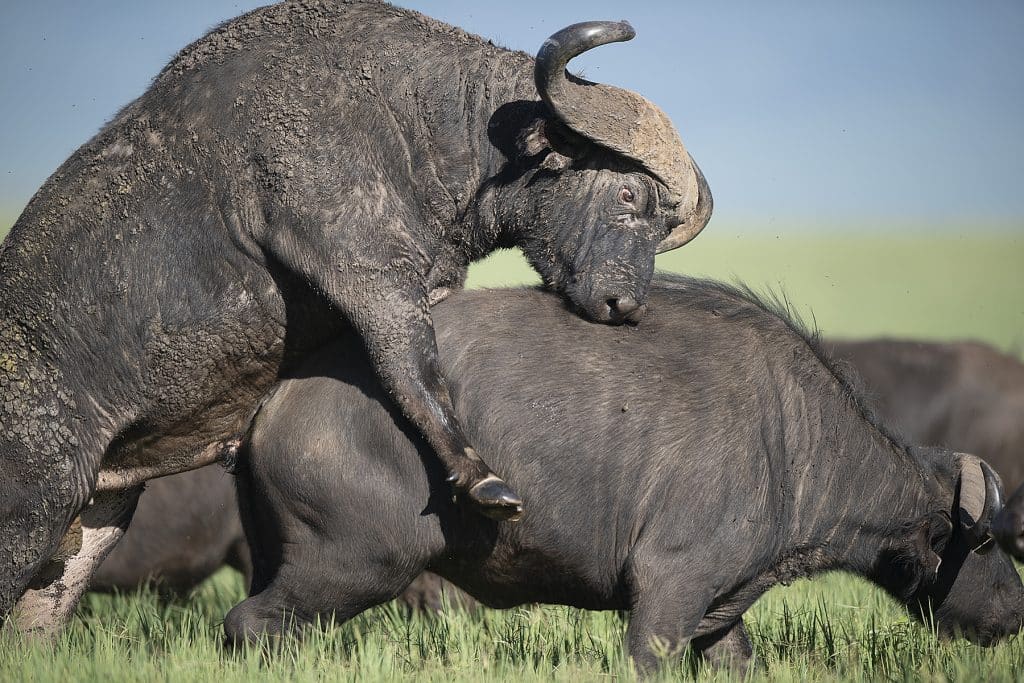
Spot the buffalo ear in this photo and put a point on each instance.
(534, 138)
(933, 538)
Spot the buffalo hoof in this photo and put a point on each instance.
(495, 499)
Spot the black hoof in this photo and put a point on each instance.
(495, 499)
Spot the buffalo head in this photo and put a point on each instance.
(969, 586)
(608, 183)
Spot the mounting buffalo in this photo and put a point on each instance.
(629, 445)
(964, 395)
(306, 170)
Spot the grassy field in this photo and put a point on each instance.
(834, 628)
(946, 286)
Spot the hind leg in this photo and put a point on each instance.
(40, 495)
(48, 604)
(296, 599)
(326, 567)
(430, 593)
(667, 607)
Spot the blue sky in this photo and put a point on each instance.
(831, 114)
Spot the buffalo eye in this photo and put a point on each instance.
(626, 195)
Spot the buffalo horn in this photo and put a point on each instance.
(980, 497)
(623, 122)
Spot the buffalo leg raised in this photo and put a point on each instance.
(386, 299)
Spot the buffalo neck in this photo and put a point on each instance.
(856, 490)
(457, 115)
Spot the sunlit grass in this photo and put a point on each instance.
(947, 286)
(833, 628)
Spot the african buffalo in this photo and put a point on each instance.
(963, 395)
(677, 470)
(305, 169)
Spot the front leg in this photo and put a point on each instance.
(398, 333)
(381, 289)
(729, 649)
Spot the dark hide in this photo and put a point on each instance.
(186, 527)
(962, 395)
(699, 459)
(310, 168)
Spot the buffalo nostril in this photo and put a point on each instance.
(626, 309)
(623, 305)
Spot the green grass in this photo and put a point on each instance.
(947, 286)
(834, 628)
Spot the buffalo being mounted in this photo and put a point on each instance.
(308, 168)
(660, 426)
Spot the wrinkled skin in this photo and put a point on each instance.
(342, 518)
(310, 169)
(604, 289)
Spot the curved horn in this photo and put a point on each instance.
(980, 497)
(572, 41)
(621, 121)
(691, 226)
